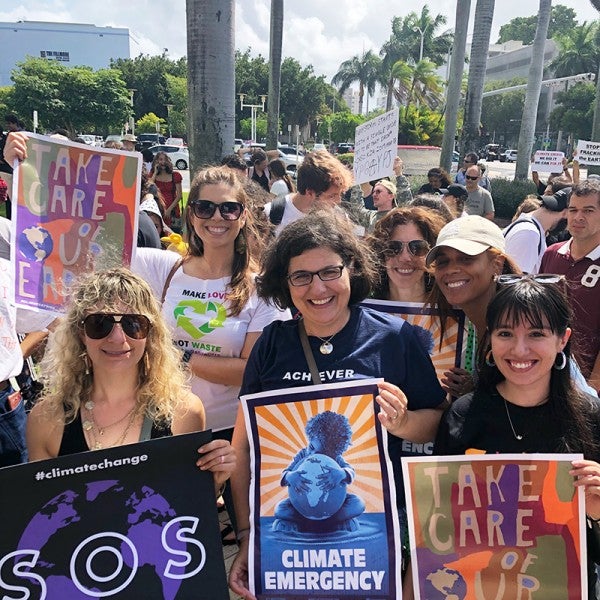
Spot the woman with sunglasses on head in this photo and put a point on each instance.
(401, 240)
(209, 297)
(525, 399)
(112, 377)
(318, 265)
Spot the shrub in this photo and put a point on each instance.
(509, 194)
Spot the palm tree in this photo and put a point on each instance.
(365, 69)
(419, 82)
(484, 14)
(457, 63)
(596, 121)
(211, 79)
(275, 43)
(534, 87)
(578, 51)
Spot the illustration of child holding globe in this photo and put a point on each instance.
(317, 478)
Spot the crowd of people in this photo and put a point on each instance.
(291, 265)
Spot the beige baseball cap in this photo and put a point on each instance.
(470, 234)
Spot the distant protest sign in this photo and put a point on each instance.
(546, 161)
(496, 526)
(75, 210)
(375, 144)
(588, 153)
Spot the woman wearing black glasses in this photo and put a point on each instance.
(318, 265)
(401, 241)
(112, 377)
(209, 298)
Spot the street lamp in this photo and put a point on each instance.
(422, 32)
(169, 107)
(132, 91)
(253, 107)
(317, 132)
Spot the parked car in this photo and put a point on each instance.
(175, 141)
(89, 139)
(179, 155)
(291, 150)
(291, 161)
(145, 140)
(509, 156)
(344, 148)
(113, 138)
(491, 152)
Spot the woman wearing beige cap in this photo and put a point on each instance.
(467, 257)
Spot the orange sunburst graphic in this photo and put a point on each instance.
(282, 435)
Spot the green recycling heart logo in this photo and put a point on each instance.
(199, 307)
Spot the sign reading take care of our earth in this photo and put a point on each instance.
(137, 521)
(75, 210)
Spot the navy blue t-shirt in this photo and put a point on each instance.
(372, 344)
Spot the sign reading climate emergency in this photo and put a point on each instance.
(324, 521)
(75, 210)
(137, 521)
(496, 526)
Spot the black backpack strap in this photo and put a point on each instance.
(518, 221)
(277, 209)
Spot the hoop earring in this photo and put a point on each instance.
(489, 359)
(563, 361)
(240, 243)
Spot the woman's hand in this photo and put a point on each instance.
(238, 575)
(457, 382)
(219, 457)
(587, 475)
(15, 147)
(394, 412)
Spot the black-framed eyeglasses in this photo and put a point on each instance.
(471, 178)
(415, 247)
(100, 325)
(205, 209)
(512, 278)
(299, 278)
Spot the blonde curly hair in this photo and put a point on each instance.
(162, 383)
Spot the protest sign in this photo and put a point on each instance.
(588, 153)
(445, 348)
(75, 210)
(322, 498)
(375, 144)
(546, 161)
(496, 526)
(136, 521)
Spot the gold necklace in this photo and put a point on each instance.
(97, 445)
(90, 425)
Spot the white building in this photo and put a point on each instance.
(350, 96)
(72, 44)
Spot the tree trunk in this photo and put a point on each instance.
(211, 80)
(457, 64)
(274, 73)
(532, 96)
(596, 121)
(484, 14)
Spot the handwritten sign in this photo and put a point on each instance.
(546, 161)
(76, 210)
(588, 153)
(496, 526)
(375, 144)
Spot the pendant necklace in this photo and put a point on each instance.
(326, 347)
(518, 436)
(89, 424)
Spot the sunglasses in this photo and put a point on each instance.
(205, 209)
(97, 326)
(471, 178)
(299, 278)
(543, 278)
(415, 247)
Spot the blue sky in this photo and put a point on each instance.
(316, 32)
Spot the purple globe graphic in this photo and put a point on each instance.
(317, 504)
(79, 559)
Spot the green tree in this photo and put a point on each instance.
(532, 95)
(420, 126)
(579, 50)
(147, 124)
(177, 116)
(499, 113)
(418, 83)
(251, 79)
(275, 40)
(261, 127)
(574, 110)
(364, 69)
(343, 126)
(484, 14)
(523, 29)
(211, 80)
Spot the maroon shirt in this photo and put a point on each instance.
(583, 290)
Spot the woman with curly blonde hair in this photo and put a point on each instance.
(112, 377)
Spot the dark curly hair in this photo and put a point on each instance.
(321, 228)
(332, 429)
(427, 222)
